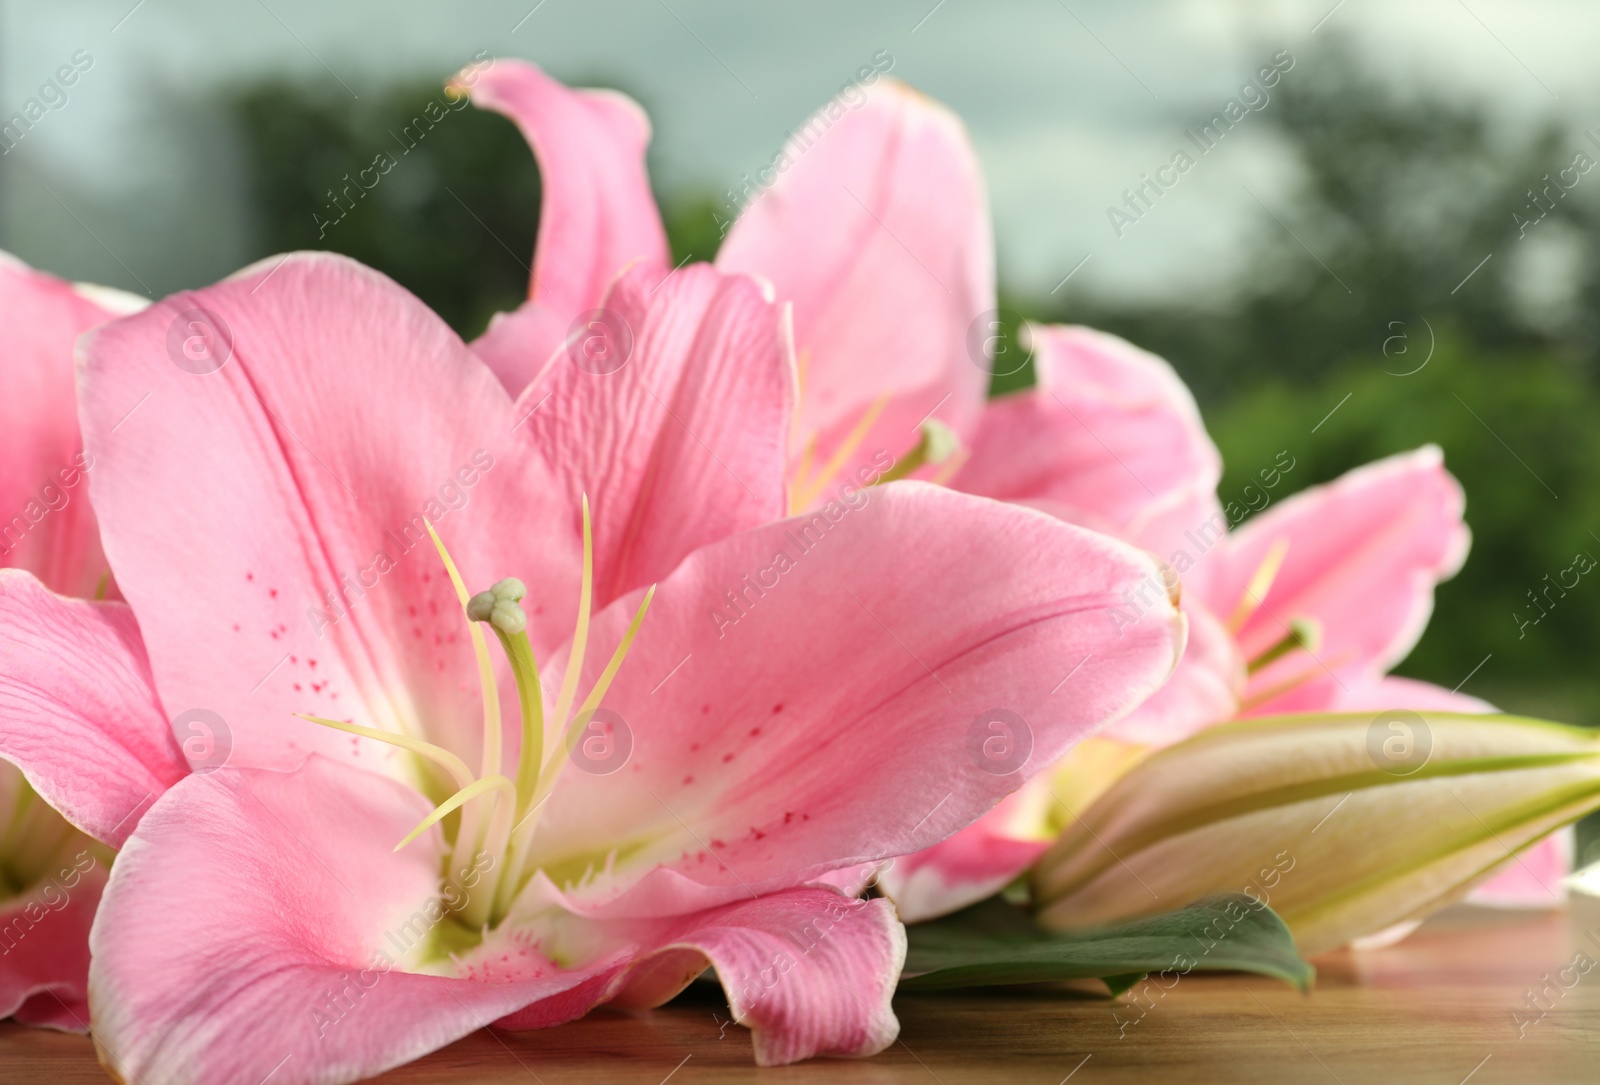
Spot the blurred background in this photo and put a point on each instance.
(1400, 245)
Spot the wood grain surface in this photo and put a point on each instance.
(1438, 1007)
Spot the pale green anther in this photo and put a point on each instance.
(938, 444)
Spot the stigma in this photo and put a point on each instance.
(493, 837)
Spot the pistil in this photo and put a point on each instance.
(505, 835)
(501, 608)
(1303, 633)
(937, 445)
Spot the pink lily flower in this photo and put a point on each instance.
(1109, 438)
(891, 232)
(1304, 609)
(270, 520)
(882, 212)
(52, 866)
(596, 218)
(46, 524)
(870, 232)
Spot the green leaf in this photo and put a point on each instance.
(997, 943)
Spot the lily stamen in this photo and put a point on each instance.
(580, 632)
(440, 756)
(1260, 583)
(504, 833)
(804, 491)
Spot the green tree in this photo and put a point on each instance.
(452, 218)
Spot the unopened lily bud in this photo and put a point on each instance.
(1344, 824)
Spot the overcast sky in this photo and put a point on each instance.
(1068, 101)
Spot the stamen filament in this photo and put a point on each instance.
(523, 836)
(459, 799)
(802, 365)
(480, 648)
(580, 635)
(440, 756)
(504, 837)
(1318, 668)
(468, 832)
(802, 496)
(1260, 584)
(1256, 700)
(948, 469)
(798, 484)
(603, 683)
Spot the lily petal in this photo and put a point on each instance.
(78, 714)
(975, 863)
(1534, 879)
(44, 972)
(879, 234)
(46, 524)
(1370, 693)
(289, 971)
(845, 711)
(1205, 688)
(597, 215)
(809, 971)
(685, 443)
(1346, 825)
(1109, 438)
(289, 568)
(998, 848)
(1364, 553)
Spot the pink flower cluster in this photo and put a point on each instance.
(714, 754)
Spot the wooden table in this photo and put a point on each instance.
(1435, 1008)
